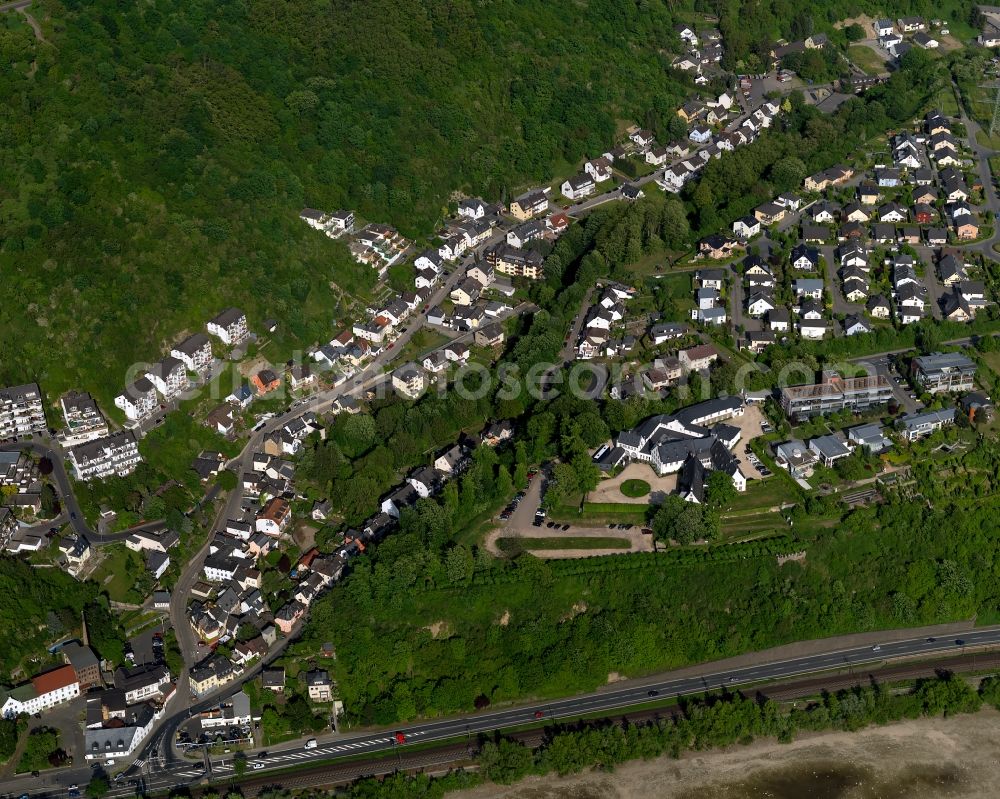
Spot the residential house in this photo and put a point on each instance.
(869, 436)
(698, 358)
(319, 685)
(855, 324)
(746, 227)
(878, 307)
(273, 517)
(966, 229)
(778, 320)
(718, 247)
(808, 287)
(914, 426)
(829, 449)
(526, 232)
(805, 258)
(796, 458)
(489, 336)
(599, 169)
(265, 381)
(531, 203)
(578, 187)
(769, 213)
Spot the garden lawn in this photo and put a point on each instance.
(635, 488)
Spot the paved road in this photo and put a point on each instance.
(568, 351)
(72, 512)
(835, 286)
(167, 774)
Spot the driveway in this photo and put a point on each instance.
(840, 303)
(749, 426)
(610, 490)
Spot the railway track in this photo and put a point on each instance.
(462, 755)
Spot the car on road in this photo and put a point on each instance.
(539, 714)
(959, 642)
(652, 693)
(399, 738)
(258, 765)
(876, 648)
(311, 743)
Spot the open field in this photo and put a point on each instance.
(926, 758)
(867, 59)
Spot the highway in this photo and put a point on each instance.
(163, 770)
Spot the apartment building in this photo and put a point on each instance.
(84, 421)
(230, 327)
(21, 411)
(195, 352)
(834, 393)
(513, 261)
(115, 454)
(138, 401)
(408, 379)
(168, 376)
(944, 372)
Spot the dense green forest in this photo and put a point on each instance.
(41, 607)
(158, 154)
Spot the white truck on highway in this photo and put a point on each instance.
(311, 743)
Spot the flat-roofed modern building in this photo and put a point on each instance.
(948, 371)
(834, 393)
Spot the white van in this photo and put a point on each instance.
(311, 743)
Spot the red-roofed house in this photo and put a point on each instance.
(45, 691)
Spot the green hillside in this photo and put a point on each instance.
(156, 155)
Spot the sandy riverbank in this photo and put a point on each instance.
(924, 759)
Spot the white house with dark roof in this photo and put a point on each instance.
(667, 442)
(117, 454)
(195, 352)
(230, 327)
(578, 187)
(138, 401)
(168, 376)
